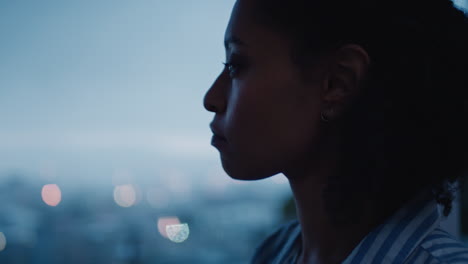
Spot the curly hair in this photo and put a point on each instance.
(408, 129)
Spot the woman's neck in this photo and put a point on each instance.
(323, 242)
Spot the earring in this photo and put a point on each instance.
(324, 119)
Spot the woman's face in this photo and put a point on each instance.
(268, 115)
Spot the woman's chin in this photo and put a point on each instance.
(246, 177)
(246, 174)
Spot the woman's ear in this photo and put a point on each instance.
(348, 67)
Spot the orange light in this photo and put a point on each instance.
(166, 221)
(51, 194)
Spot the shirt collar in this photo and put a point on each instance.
(395, 240)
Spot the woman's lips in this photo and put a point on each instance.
(219, 137)
(218, 142)
(217, 133)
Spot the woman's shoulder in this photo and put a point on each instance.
(441, 247)
(277, 246)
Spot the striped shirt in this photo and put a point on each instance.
(411, 235)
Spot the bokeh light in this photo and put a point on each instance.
(178, 233)
(172, 229)
(125, 195)
(2, 241)
(51, 194)
(163, 222)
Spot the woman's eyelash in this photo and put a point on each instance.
(228, 64)
(231, 67)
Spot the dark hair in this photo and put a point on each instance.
(408, 129)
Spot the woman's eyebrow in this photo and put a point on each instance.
(233, 40)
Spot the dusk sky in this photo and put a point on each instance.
(86, 77)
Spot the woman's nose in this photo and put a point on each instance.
(215, 98)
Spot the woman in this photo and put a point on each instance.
(362, 105)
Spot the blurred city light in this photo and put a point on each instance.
(51, 194)
(163, 222)
(178, 233)
(172, 229)
(2, 241)
(125, 195)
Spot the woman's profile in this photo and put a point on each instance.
(362, 105)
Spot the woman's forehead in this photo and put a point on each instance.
(243, 30)
(240, 21)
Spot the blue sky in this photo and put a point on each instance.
(89, 89)
(135, 66)
(109, 75)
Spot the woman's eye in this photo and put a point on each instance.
(232, 68)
